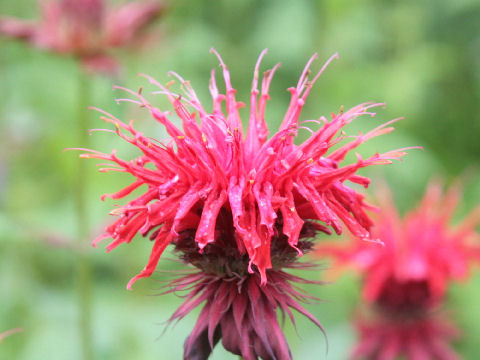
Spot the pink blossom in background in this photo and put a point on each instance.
(422, 251)
(240, 207)
(86, 29)
(406, 279)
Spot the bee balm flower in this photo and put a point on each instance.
(239, 207)
(85, 29)
(406, 279)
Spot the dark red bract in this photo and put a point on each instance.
(241, 312)
(238, 309)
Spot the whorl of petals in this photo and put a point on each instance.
(209, 164)
(423, 247)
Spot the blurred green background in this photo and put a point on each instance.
(420, 57)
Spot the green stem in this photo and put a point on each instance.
(83, 265)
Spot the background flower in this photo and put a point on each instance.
(405, 280)
(422, 252)
(86, 29)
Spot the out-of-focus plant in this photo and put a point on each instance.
(404, 281)
(85, 29)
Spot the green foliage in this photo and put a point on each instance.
(420, 57)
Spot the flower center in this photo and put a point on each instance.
(223, 257)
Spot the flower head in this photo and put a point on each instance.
(83, 28)
(422, 252)
(209, 167)
(405, 280)
(239, 207)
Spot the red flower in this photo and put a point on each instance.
(422, 252)
(83, 28)
(406, 279)
(239, 208)
(212, 166)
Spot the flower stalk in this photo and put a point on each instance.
(83, 268)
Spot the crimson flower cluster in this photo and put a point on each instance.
(86, 29)
(406, 279)
(241, 208)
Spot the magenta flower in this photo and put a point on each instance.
(240, 208)
(85, 29)
(406, 279)
(423, 252)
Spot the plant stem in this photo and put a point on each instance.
(83, 265)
